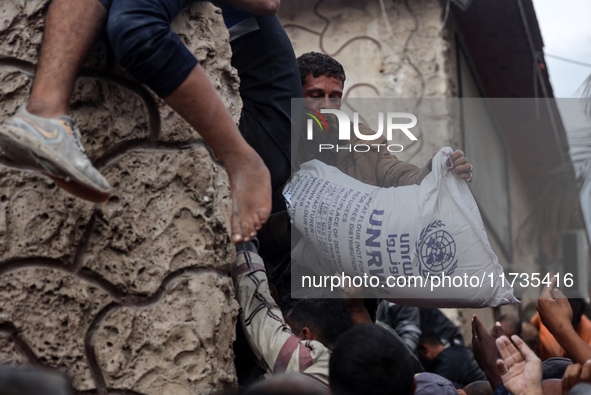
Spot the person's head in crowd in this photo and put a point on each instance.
(369, 360)
(433, 384)
(511, 325)
(323, 320)
(323, 80)
(478, 388)
(371, 305)
(580, 389)
(286, 304)
(18, 381)
(430, 346)
(531, 336)
(287, 384)
(554, 368)
(578, 305)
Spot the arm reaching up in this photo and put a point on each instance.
(556, 314)
(520, 368)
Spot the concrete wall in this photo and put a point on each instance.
(130, 296)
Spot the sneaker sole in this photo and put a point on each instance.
(19, 149)
(80, 190)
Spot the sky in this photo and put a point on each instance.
(566, 31)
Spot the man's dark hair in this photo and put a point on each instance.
(369, 360)
(318, 64)
(578, 305)
(327, 318)
(429, 337)
(478, 388)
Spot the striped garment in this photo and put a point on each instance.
(271, 339)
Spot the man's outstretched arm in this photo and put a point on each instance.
(556, 314)
(272, 341)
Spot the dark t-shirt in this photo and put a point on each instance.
(457, 364)
(269, 78)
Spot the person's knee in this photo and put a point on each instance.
(145, 45)
(135, 35)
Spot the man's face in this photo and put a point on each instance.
(428, 352)
(323, 92)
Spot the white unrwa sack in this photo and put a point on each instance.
(423, 243)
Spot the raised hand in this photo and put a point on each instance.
(520, 368)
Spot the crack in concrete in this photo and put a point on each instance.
(89, 276)
(122, 149)
(20, 344)
(304, 28)
(327, 23)
(120, 300)
(134, 87)
(325, 28)
(84, 243)
(376, 42)
(23, 66)
(407, 57)
(137, 89)
(89, 342)
(360, 85)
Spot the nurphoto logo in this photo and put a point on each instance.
(344, 129)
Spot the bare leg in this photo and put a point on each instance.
(35, 136)
(198, 102)
(71, 27)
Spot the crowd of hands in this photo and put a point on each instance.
(513, 363)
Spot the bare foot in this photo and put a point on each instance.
(485, 350)
(251, 193)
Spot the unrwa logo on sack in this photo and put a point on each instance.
(436, 251)
(344, 131)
